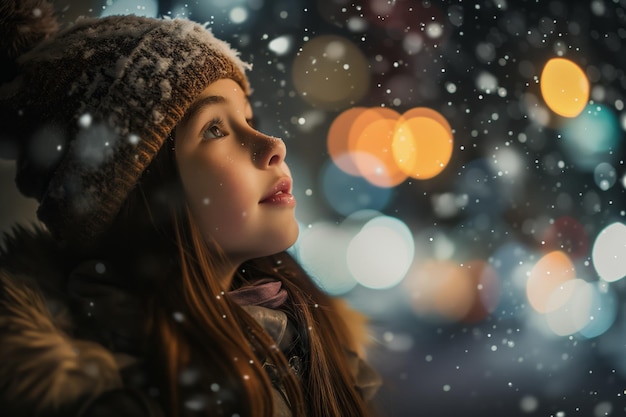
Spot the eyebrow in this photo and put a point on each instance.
(200, 104)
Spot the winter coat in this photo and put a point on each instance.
(55, 360)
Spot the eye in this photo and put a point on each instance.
(213, 130)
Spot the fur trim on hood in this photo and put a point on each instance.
(42, 367)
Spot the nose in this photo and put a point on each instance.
(267, 151)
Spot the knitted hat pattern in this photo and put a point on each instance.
(90, 105)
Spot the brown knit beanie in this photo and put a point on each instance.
(85, 109)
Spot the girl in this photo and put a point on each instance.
(159, 283)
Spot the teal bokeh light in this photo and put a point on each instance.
(603, 311)
(347, 194)
(592, 137)
(148, 8)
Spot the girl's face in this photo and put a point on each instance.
(235, 178)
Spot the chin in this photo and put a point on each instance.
(270, 247)
(294, 235)
(288, 241)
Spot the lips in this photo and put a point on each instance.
(280, 194)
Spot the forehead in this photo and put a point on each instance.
(223, 91)
(225, 86)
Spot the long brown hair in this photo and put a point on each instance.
(210, 352)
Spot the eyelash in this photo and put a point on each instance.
(219, 123)
(215, 123)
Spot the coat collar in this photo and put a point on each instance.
(39, 280)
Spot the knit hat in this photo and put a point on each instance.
(85, 109)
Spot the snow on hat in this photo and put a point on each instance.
(85, 109)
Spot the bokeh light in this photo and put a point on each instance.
(146, 8)
(359, 142)
(592, 137)
(227, 16)
(281, 45)
(604, 175)
(331, 72)
(380, 255)
(486, 287)
(440, 290)
(322, 250)
(568, 235)
(547, 276)
(338, 139)
(564, 87)
(370, 144)
(609, 252)
(386, 148)
(568, 307)
(603, 310)
(512, 263)
(422, 144)
(578, 306)
(346, 193)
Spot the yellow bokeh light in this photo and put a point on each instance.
(564, 87)
(422, 144)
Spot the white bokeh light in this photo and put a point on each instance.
(238, 15)
(322, 250)
(609, 252)
(573, 301)
(280, 45)
(380, 255)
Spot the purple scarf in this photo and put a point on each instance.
(264, 292)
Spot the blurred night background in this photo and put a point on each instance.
(459, 171)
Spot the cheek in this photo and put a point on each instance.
(223, 224)
(200, 179)
(215, 220)
(199, 193)
(221, 205)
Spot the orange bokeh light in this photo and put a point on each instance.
(441, 288)
(547, 276)
(370, 145)
(385, 147)
(338, 136)
(422, 145)
(565, 87)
